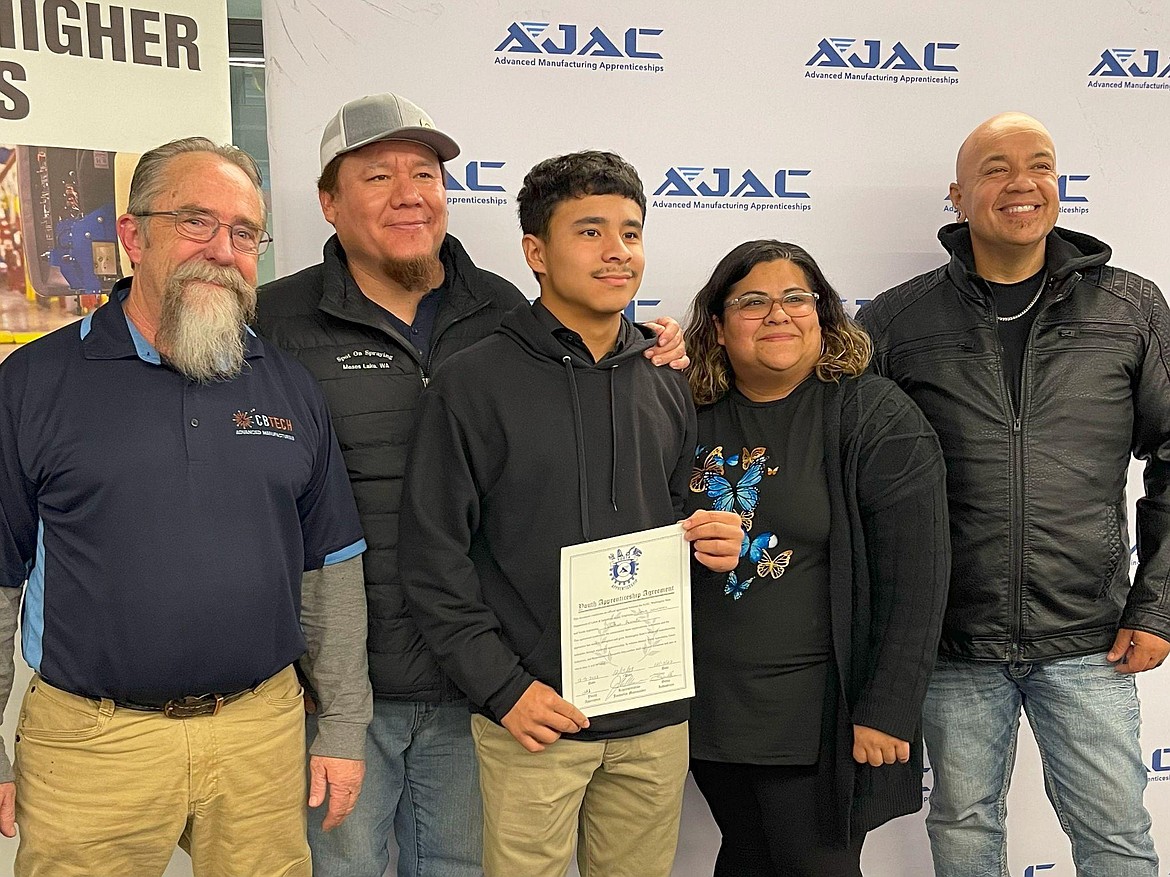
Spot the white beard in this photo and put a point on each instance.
(205, 312)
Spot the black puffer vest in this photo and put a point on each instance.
(372, 378)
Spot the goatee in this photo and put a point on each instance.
(416, 274)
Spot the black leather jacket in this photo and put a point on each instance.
(1037, 496)
(372, 379)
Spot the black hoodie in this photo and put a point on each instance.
(524, 447)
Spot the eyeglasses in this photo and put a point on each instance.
(198, 225)
(756, 306)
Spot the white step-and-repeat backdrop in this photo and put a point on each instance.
(834, 125)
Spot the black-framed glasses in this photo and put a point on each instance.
(199, 225)
(756, 305)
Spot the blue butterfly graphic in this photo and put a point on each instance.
(744, 494)
(756, 548)
(734, 587)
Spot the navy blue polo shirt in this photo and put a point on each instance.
(420, 331)
(163, 525)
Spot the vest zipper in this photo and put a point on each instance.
(424, 369)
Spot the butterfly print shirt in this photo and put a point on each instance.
(761, 632)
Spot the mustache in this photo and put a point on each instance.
(624, 273)
(219, 275)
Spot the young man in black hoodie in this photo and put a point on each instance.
(551, 432)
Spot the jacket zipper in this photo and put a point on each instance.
(1016, 474)
(1017, 468)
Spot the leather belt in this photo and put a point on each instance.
(186, 707)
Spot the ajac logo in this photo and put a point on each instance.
(1131, 68)
(1072, 197)
(475, 183)
(561, 45)
(1159, 770)
(1070, 190)
(733, 189)
(931, 64)
(1036, 870)
(631, 310)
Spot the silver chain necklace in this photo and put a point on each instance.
(1031, 304)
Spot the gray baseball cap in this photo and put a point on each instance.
(382, 117)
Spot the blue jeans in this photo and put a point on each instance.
(1085, 717)
(421, 781)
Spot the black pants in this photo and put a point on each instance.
(775, 821)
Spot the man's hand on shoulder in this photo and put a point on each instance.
(670, 349)
(1135, 651)
(541, 716)
(340, 777)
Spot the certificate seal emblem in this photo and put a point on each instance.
(623, 567)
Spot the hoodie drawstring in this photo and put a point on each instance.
(579, 431)
(613, 440)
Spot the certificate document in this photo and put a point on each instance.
(626, 621)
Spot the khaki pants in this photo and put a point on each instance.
(623, 796)
(107, 792)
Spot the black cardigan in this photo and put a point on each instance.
(889, 561)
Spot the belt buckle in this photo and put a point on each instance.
(190, 707)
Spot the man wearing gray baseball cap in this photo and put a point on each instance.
(394, 297)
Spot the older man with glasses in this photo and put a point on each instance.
(175, 511)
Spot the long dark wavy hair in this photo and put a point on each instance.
(846, 348)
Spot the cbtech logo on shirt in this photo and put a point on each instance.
(251, 423)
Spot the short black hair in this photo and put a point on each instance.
(327, 182)
(575, 175)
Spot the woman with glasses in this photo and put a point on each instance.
(812, 656)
